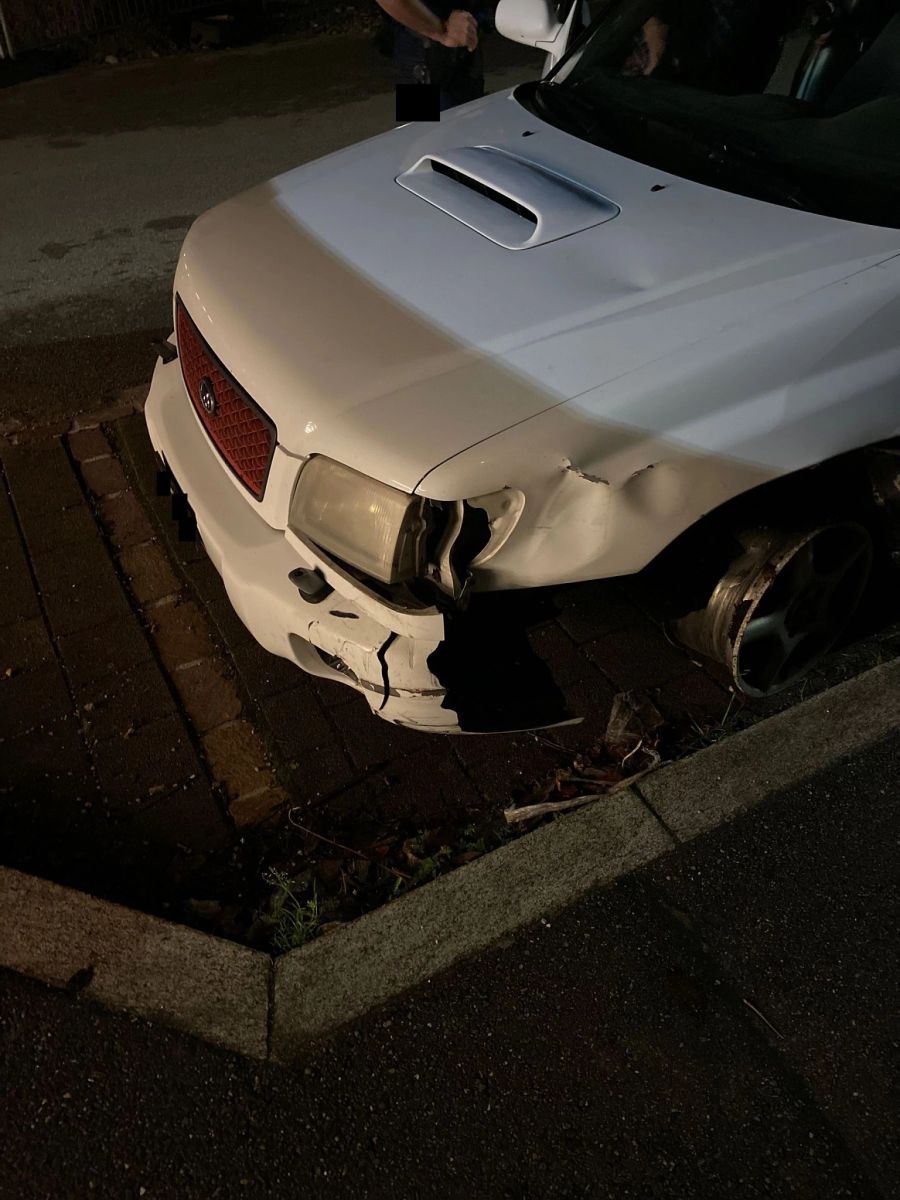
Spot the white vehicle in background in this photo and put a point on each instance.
(572, 326)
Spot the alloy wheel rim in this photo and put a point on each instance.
(807, 605)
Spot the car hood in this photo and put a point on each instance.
(391, 314)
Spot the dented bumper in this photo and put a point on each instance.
(347, 636)
(407, 665)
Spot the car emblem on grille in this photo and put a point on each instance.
(208, 395)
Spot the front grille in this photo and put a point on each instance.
(236, 425)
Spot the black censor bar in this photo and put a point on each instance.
(417, 102)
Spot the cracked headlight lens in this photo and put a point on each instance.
(376, 528)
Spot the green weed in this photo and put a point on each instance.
(294, 921)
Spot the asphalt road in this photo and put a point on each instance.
(722, 1024)
(105, 168)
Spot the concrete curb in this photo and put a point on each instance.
(736, 774)
(127, 960)
(236, 997)
(330, 981)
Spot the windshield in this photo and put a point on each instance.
(791, 103)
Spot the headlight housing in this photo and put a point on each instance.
(376, 528)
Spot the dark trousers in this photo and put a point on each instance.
(459, 73)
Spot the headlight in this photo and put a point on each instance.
(377, 528)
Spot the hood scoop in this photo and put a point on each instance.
(512, 201)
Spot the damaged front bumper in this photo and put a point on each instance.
(439, 673)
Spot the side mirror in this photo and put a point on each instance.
(530, 22)
(537, 23)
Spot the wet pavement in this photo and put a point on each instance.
(720, 1024)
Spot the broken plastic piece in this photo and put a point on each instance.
(634, 716)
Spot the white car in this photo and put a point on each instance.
(566, 328)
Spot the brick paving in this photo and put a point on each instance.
(98, 767)
(201, 677)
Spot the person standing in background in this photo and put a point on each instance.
(438, 44)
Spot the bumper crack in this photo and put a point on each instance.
(382, 658)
